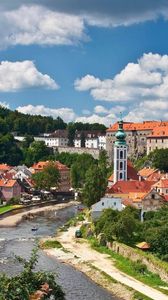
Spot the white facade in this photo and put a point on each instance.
(92, 143)
(120, 163)
(102, 142)
(104, 203)
(77, 143)
(56, 141)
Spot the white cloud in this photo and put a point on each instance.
(23, 74)
(145, 80)
(99, 109)
(67, 114)
(106, 120)
(4, 104)
(38, 25)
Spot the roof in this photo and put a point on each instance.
(143, 246)
(89, 134)
(125, 187)
(42, 164)
(60, 133)
(7, 183)
(5, 167)
(137, 197)
(146, 171)
(130, 126)
(163, 183)
(159, 131)
(131, 172)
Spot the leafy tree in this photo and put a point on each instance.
(10, 153)
(159, 159)
(95, 185)
(28, 282)
(37, 151)
(49, 177)
(71, 134)
(27, 141)
(82, 139)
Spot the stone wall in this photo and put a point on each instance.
(91, 151)
(153, 264)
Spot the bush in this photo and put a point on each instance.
(140, 267)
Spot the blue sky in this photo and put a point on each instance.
(86, 61)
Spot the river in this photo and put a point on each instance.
(20, 241)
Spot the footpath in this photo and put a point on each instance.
(81, 251)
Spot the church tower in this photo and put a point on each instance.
(120, 154)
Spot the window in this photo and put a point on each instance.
(166, 191)
(121, 154)
(102, 203)
(114, 203)
(156, 141)
(121, 164)
(162, 140)
(121, 176)
(153, 196)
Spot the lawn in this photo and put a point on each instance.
(6, 208)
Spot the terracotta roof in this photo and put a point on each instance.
(159, 131)
(5, 167)
(129, 126)
(143, 246)
(163, 183)
(146, 172)
(7, 183)
(125, 187)
(136, 197)
(42, 164)
(131, 172)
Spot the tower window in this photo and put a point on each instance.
(121, 154)
(121, 164)
(121, 176)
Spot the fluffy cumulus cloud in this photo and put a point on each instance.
(67, 114)
(23, 74)
(65, 22)
(146, 79)
(35, 24)
(95, 118)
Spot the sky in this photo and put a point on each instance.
(85, 60)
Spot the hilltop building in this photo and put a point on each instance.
(158, 139)
(136, 137)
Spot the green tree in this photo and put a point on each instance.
(159, 158)
(36, 152)
(82, 139)
(10, 152)
(95, 185)
(49, 177)
(26, 283)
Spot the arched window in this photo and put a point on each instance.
(121, 165)
(121, 176)
(121, 154)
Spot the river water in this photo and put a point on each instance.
(20, 241)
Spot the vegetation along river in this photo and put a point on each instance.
(20, 241)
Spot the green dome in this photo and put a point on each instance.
(120, 134)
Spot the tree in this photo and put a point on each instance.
(29, 282)
(49, 177)
(95, 185)
(71, 134)
(10, 153)
(82, 139)
(37, 151)
(159, 159)
(27, 141)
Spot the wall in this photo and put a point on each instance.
(156, 143)
(93, 152)
(153, 264)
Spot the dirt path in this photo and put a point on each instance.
(83, 251)
(12, 221)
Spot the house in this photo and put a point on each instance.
(123, 188)
(9, 189)
(4, 168)
(92, 139)
(64, 185)
(22, 172)
(104, 203)
(158, 139)
(151, 174)
(131, 174)
(162, 186)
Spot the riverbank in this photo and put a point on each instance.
(12, 221)
(77, 252)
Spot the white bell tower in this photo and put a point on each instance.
(120, 154)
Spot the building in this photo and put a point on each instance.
(4, 168)
(59, 138)
(120, 154)
(64, 185)
(92, 139)
(9, 189)
(136, 136)
(105, 202)
(158, 139)
(162, 186)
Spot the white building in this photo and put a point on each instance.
(102, 141)
(104, 203)
(93, 139)
(120, 155)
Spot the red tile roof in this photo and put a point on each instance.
(159, 131)
(42, 164)
(7, 183)
(146, 172)
(129, 126)
(5, 167)
(163, 183)
(125, 187)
